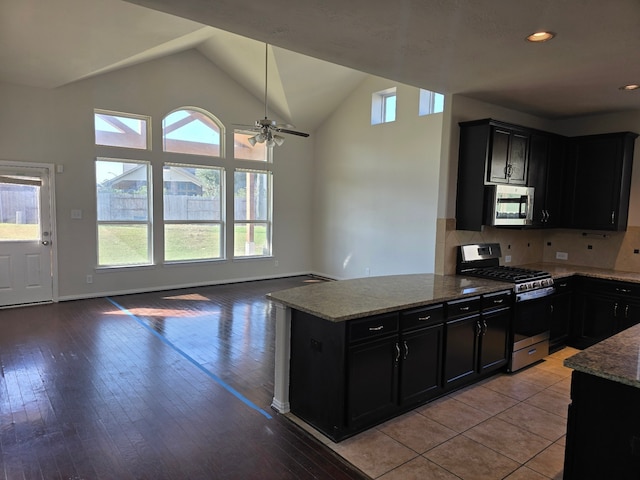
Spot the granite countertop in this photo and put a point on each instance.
(360, 297)
(617, 358)
(563, 271)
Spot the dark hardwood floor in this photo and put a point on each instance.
(165, 385)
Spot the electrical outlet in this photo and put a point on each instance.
(367, 272)
(89, 278)
(507, 259)
(562, 256)
(277, 263)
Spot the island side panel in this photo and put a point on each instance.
(603, 430)
(317, 375)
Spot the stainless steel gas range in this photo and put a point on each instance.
(532, 289)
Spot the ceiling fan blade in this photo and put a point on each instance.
(292, 132)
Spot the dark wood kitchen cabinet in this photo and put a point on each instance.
(603, 430)
(561, 314)
(348, 376)
(599, 181)
(603, 308)
(490, 152)
(547, 176)
(476, 337)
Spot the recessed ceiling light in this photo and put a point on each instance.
(631, 86)
(538, 37)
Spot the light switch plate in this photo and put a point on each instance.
(76, 214)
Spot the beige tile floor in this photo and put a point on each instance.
(509, 426)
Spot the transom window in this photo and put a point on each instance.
(430, 102)
(383, 106)
(243, 150)
(121, 129)
(192, 131)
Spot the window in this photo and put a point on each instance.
(430, 102)
(192, 131)
(243, 150)
(121, 130)
(192, 212)
(383, 106)
(252, 213)
(124, 220)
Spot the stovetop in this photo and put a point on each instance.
(483, 261)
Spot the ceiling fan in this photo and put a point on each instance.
(268, 130)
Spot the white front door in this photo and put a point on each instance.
(25, 235)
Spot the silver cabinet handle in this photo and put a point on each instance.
(376, 329)
(626, 311)
(613, 217)
(498, 302)
(478, 329)
(464, 309)
(424, 319)
(623, 290)
(397, 352)
(615, 310)
(484, 327)
(406, 350)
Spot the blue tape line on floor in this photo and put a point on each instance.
(214, 377)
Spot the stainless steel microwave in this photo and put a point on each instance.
(508, 205)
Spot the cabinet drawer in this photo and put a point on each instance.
(492, 301)
(611, 287)
(372, 327)
(464, 307)
(422, 317)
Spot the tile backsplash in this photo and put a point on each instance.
(612, 250)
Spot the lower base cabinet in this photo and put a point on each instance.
(346, 377)
(603, 430)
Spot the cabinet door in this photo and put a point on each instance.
(508, 162)
(372, 373)
(494, 339)
(560, 319)
(421, 366)
(628, 314)
(602, 175)
(538, 152)
(461, 350)
(556, 182)
(597, 320)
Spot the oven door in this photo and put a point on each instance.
(532, 318)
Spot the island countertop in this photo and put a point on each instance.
(360, 297)
(617, 358)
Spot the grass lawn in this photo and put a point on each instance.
(127, 244)
(14, 231)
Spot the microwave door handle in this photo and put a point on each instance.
(524, 203)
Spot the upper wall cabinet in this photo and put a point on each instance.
(599, 181)
(490, 152)
(547, 176)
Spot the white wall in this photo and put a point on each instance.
(376, 187)
(56, 126)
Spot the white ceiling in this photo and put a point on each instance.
(476, 48)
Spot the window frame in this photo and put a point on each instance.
(148, 222)
(147, 122)
(427, 102)
(221, 222)
(206, 113)
(380, 104)
(268, 222)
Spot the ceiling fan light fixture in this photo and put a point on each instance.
(278, 139)
(252, 140)
(539, 37)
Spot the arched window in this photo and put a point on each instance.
(193, 131)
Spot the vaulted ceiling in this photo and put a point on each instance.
(476, 48)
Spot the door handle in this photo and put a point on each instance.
(46, 242)
(406, 350)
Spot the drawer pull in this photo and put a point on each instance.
(498, 302)
(532, 351)
(623, 290)
(464, 309)
(424, 319)
(376, 329)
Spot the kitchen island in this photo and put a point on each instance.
(372, 323)
(603, 429)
